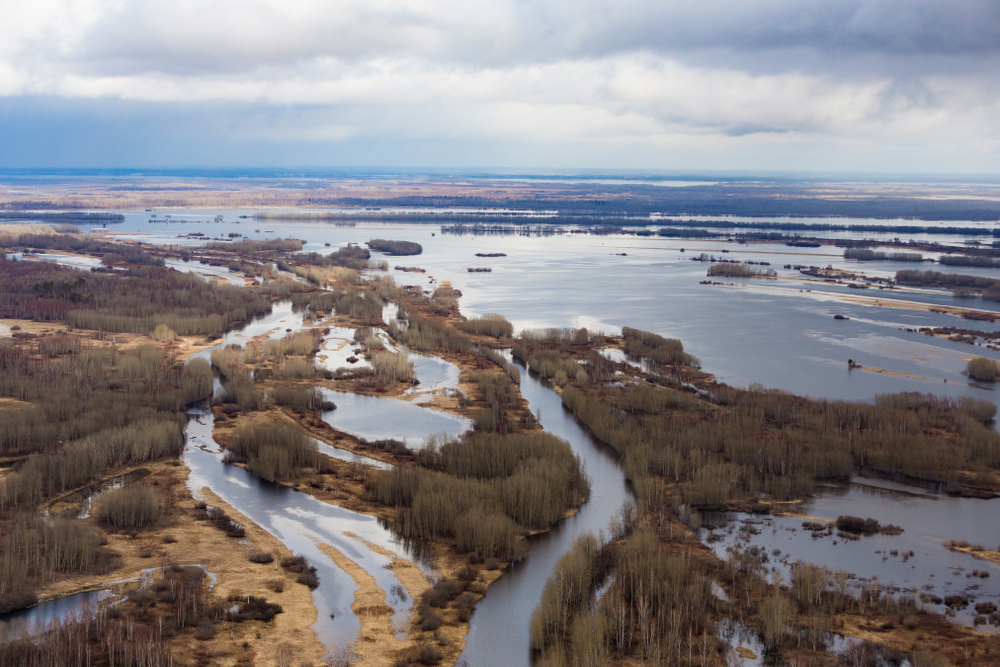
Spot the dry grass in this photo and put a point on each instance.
(200, 542)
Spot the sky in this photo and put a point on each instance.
(821, 85)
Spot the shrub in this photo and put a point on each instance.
(441, 593)
(299, 398)
(256, 556)
(163, 333)
(308, 578)
(982, 369)
(429, 619)
(206, 629)
(857, 525)
(135, 506)
(464, 605)
(275, 451)
(223, 522)
(429, 655)
(489, 324)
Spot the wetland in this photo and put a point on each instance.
(343, 465)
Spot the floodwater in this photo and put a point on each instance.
(780, 333)
(376, 418)
(498, 633)
(302, 523)
(916, 560)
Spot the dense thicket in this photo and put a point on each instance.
(366, 306)
(429, 335)
(643, 345)
(489, 324)
(747, 442)
(733, 270)
(134, 301)
(96, 388)
(82, 461)
(656, 607)
(350, 256)
(396, 247)
(250, 246)
(273, 450)
(134, 506)
(484, 490)
(966, 260)
(34, 550)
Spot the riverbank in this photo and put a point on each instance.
(179, 538)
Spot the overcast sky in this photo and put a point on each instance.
(860, 85)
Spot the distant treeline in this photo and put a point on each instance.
(964, 286)
(781, 199)
(965, 260)
(739, 270)
(111, 253)
(867, 255)
(74, 217)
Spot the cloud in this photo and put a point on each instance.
(542, 73)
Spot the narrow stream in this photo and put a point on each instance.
(302, 523)
(498, 633)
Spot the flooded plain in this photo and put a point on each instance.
(778, 332)
(914, 562)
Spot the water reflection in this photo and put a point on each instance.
(915, 560)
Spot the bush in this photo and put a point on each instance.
(429, 619)
(206, 629)
(982, 369)
(429, 655)
(135, 506)
(163, 333)
(443, 592)
(275, 451)
(464, 605)
(221, 520)
(857, 525)
(260, 557)
(298, 398)
(983, 411)
(488, 325)
(308, 578)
